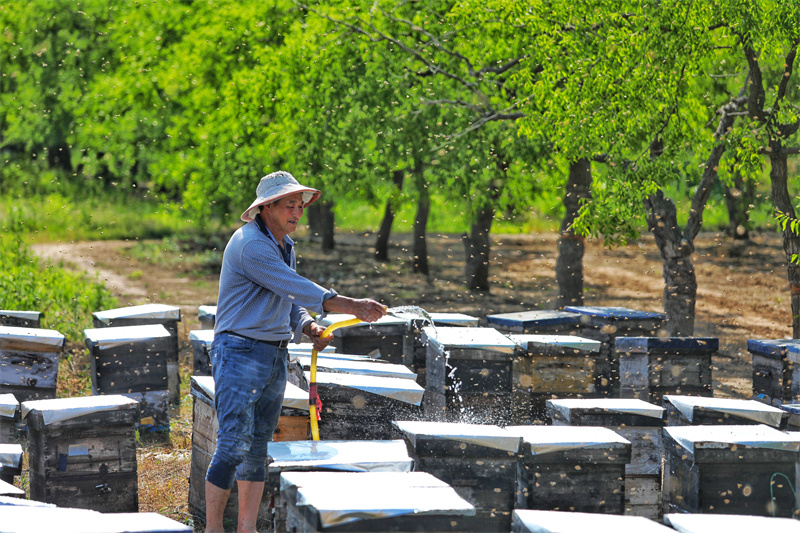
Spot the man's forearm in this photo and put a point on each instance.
(363, 308)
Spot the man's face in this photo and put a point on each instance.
(281, 217)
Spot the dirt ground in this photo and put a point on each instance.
(742, 294)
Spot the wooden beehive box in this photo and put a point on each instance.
(379, 502)
(29, 519)
(20, 319)
(479, 461)
(571, 468)
(651, 367)
(554, 366)
(9, 418)
(416, 349)
(153, 411)
(793, 369)
(10, 462)
(150, 314)
(340, 363)
(715, 523)
(359, 407)
(128, 358)
(82, 452)
(606, 324)
(201, 340)
(542, 322)
(207, 315)
(29, 359)
(772, 369)
(793, 410)
(331, 455)
(638, 422)
(729, 470)
(701, 411)
(530, 521)
(383, 339)
(469, 376)
(293, 424)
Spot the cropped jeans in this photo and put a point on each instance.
(249, 383)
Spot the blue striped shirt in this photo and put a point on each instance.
(260, 295)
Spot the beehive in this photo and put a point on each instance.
(331, 455)
(20, 319)
(207, 315)
(383, 339)
(167, 316)
(10, 462)
(479, 461)
(82, 452)
(293, 424)
(416, 349)
(698, 411)
(470, 376)
(554, 366)
(772, 369)
(651, 367)
(566, 468)
(729, 470)
(29, 359)
(359, 407)
(201, 340)
(338, 363)
(542, 322)
(638, 422)
(606, 324)
(530, 521)
(29, 519)
(374, 502)
(793, 371)
(9, 491)
(714, 523)
(9, 418)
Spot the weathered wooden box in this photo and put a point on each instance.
(606, 324)
(359, 407)
(772, 369)
(207, 315)
(701, 411)
(749, 470)
(383, 339)
(715, 523)
(10, 462)
(379, 502)
(128, 358)
(570, 468)
(793, 410)
(638, 422)
(793, 369)
(478, 461)
(150, 314)
(20, 319)
(331, 455)
(416, 350)
(651, 367)
(360, 365)
(470, 376)
(530, 521)
(26, 518)
(554, 366)
(153, 411)
(542, 322)
(201, 340)
(9, 418)
(82, 452)
(29, 359)
(293, 424)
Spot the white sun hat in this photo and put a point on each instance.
(275, 186)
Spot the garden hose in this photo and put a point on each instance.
(314, 403)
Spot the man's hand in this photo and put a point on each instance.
(364, 309)
(314, 332)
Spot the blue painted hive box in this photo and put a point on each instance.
(537, 322)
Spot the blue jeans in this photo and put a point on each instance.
(249, 382)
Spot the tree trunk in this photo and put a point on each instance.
(779, 178)
(382, 242)
(569, 265)
(420, 246)
(477, 248)
(738, 198)
(321, 223)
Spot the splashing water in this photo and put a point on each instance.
(411, 312)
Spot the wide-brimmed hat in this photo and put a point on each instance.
(275, 186)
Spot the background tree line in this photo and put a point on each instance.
(629, 112)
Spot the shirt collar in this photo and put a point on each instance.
(288, 243)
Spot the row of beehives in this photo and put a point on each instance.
(606, 456)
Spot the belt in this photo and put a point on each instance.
(281, 345)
